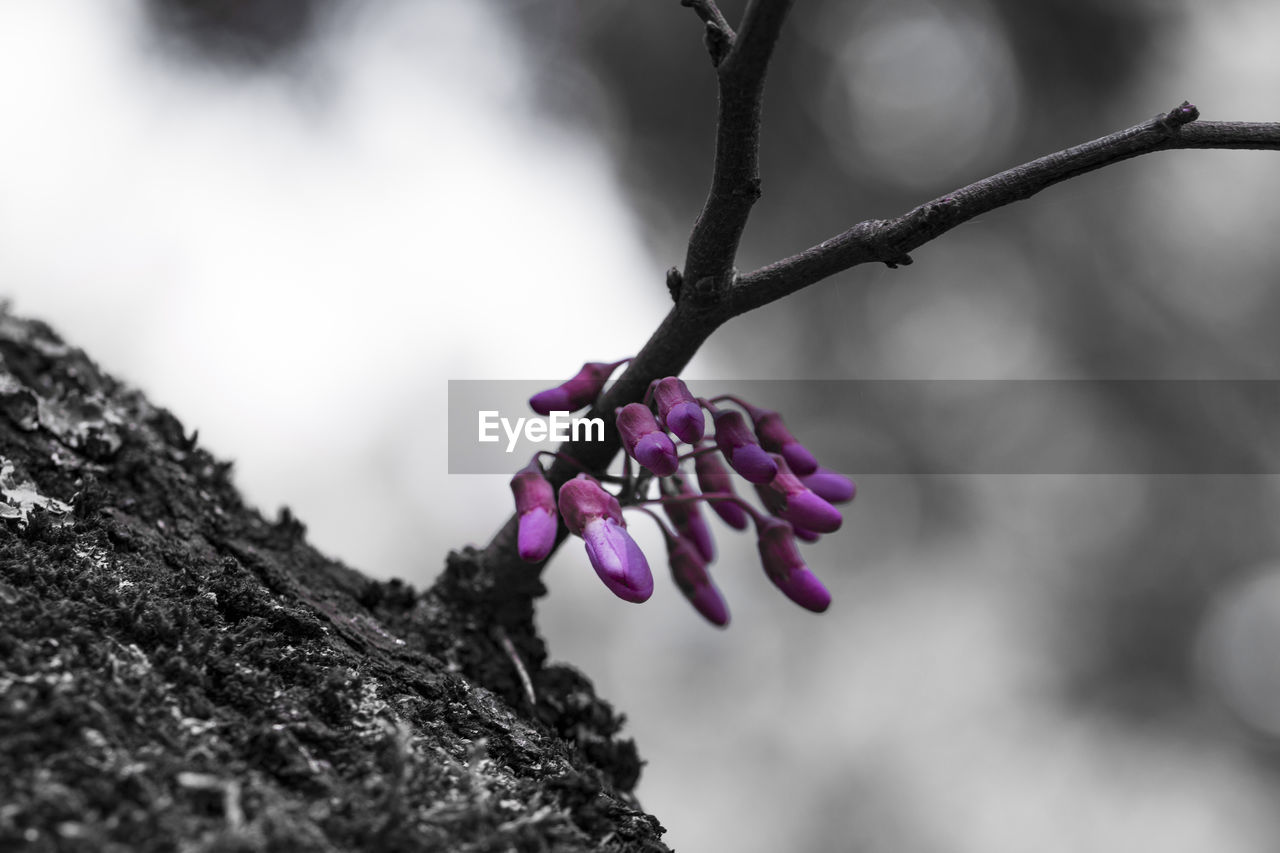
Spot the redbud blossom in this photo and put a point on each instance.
(806, 535)
(788, 498)
(690, 573)
(645, 441)
(831, 486)
(618, 560)
(536, 507)
(713, 477)
(686, 517)
(785, 567)
(577, 393)
(679, 411)
(594, 514)
(776, 438)
(740, 448)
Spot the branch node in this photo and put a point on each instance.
(1184, 113)
(900, 261)
(675, 282)
(718, 36)
(718, 42)
(708, 291)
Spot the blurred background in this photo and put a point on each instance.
(291, 222)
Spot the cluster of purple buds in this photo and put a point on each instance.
(577, 393)
(796, 492)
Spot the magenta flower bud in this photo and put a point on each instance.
(618, 560)
(785, 567)
(712, 477)
(690, 573)
(805, 535)
(645, 441)
(776, 438)
(679, 411)
(594, 514)
(577, 393)
(791, 500)
(582, 499)
(740, 448)
(536, 535)
(830, 486)
(536, 506)
(686, 517)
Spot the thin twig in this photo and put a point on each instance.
(890, 240)
(709, 292)
(692, 321)
(735, 179)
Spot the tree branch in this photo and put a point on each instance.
(719, 35)
(709, 291)
(735, 180)
(890, 240)
(702, 308)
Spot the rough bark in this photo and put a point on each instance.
(177, 672)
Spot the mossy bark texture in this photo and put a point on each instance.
(177, 673)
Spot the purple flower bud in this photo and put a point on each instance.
(618, 560)
(712, 477)
(536, 506)
(785, 567)
(536, 535)
(686, 517)
(690, 573)
(679, 411)
(594, 514)
(806, 535)
(577, 393)
(776, 438)
(789, 499)
(582, 499)
(740, 448)
(645, 441)
(830, 486)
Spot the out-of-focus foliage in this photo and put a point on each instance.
(240, 33)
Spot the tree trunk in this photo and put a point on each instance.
(178, 673)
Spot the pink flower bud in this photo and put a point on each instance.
(618, 560)
(713, 477)
(830, 486)
(686, 517)
(806, 535)
(690, 573)
(594, 514)
(582, 499)
(776, 438)
(536, 506)
(577, 393)
(785, 567)
(789, 499)
(536, 535)
(679, 411)
(740, 448)
(645, 441)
